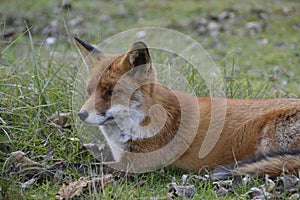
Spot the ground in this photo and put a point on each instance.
(254, 43)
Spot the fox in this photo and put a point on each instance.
(138, 116)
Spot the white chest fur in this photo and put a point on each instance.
(115, 139)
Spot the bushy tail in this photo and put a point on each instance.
(271, 164)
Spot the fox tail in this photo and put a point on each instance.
(272, 164)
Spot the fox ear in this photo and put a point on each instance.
(137, 63)
(89, 53)
(137, 56)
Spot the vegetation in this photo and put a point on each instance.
(255, 44)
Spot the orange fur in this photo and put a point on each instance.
(252, 127)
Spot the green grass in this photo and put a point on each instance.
(36, 81)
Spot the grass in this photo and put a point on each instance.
(36, 81)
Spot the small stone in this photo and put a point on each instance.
(221, 192)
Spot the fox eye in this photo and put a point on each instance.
(109, 93)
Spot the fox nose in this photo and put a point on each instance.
(83, 114)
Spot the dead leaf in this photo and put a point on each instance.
(269, 184)
(186, 191)
(79, 187)
(205, 177)
(20, 157)
(59, 118)
(288, 183)
(58, 121)
(255, 192)
(259, 193)
(223, 187)
(222, 183)
(221, 191)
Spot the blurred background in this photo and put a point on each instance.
(260, 39)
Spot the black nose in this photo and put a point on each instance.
(83, 114)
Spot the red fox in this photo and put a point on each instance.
(138, 115)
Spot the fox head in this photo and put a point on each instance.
(117, 85)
